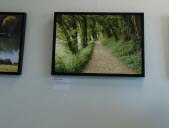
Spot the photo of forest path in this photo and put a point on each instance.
(10, 32)
(103, 44)
(103, 62)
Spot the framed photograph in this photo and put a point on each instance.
(12, 32)
(98, 44)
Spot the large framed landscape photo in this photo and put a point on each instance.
(98, 43)
(12, 32)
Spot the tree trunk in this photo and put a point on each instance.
(135, 34)
(68, 39)
(94, 29)
(84, 31)
(114, 33)
(75, 34)
(127, 31)
(108, 32)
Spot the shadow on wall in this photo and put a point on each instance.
(8, 80)
(165, 38)
(47, 46)
(107, 81)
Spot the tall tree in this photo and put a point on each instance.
(63, 24)
(82, 20)
(127, 26)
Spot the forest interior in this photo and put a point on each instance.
(92, 43)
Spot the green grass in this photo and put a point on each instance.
(69, 63)
(8, 68)
(127, 52)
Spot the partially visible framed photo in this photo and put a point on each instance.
(12, 33)
(98, 44)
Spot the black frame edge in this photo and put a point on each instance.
(99, 74)
(22, 41)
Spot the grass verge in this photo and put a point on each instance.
(8, 68)
(69, 63)
(127, 52)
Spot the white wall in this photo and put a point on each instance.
(28, 101)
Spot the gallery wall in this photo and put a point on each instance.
(31, 100)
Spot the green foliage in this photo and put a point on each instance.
(8, 22)
(2, 46)
(72, 28)
(70, 63)
(121, 34)
(126, 52)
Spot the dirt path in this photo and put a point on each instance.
(103, 62)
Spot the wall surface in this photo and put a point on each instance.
(29, 101)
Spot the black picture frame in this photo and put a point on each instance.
(12, 36)
(123, 14)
